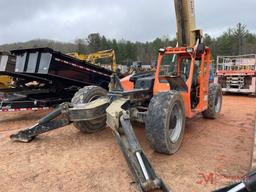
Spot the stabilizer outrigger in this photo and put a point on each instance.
(116, 108)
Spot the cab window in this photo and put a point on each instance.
(170, 63)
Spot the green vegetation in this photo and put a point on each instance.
(236, 40)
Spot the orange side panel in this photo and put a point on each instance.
(127, 84)
(161, 87)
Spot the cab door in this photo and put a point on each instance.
(204, 81)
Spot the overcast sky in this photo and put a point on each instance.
(136, 20)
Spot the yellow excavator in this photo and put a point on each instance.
(93, 57)
(5, 81)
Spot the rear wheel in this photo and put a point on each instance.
(86, 95)
(214, 102)
(165, 122)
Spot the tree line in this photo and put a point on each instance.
(235, 41)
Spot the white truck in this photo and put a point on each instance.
(237, 74)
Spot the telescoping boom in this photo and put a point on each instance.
(187, 34)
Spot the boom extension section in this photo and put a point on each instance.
(118, 119)
(187, 34)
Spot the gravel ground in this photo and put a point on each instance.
(214, 153)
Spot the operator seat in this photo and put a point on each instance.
(176, 83)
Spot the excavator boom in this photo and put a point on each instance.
(93, 57)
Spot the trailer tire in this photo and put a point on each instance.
(85, 95)
(214, 102)
(165, 123)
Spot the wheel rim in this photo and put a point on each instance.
(218, 103)
(175, 123)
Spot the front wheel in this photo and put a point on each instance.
(86, 95)
(214, 102)
(165, 122)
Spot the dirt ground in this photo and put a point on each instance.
(214, 153)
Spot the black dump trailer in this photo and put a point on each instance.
(44, 78)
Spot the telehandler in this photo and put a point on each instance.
(178, 89)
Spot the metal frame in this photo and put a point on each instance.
(61, 75)
(237, 77)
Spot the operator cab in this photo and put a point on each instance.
(183, 70)
(174, 70)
